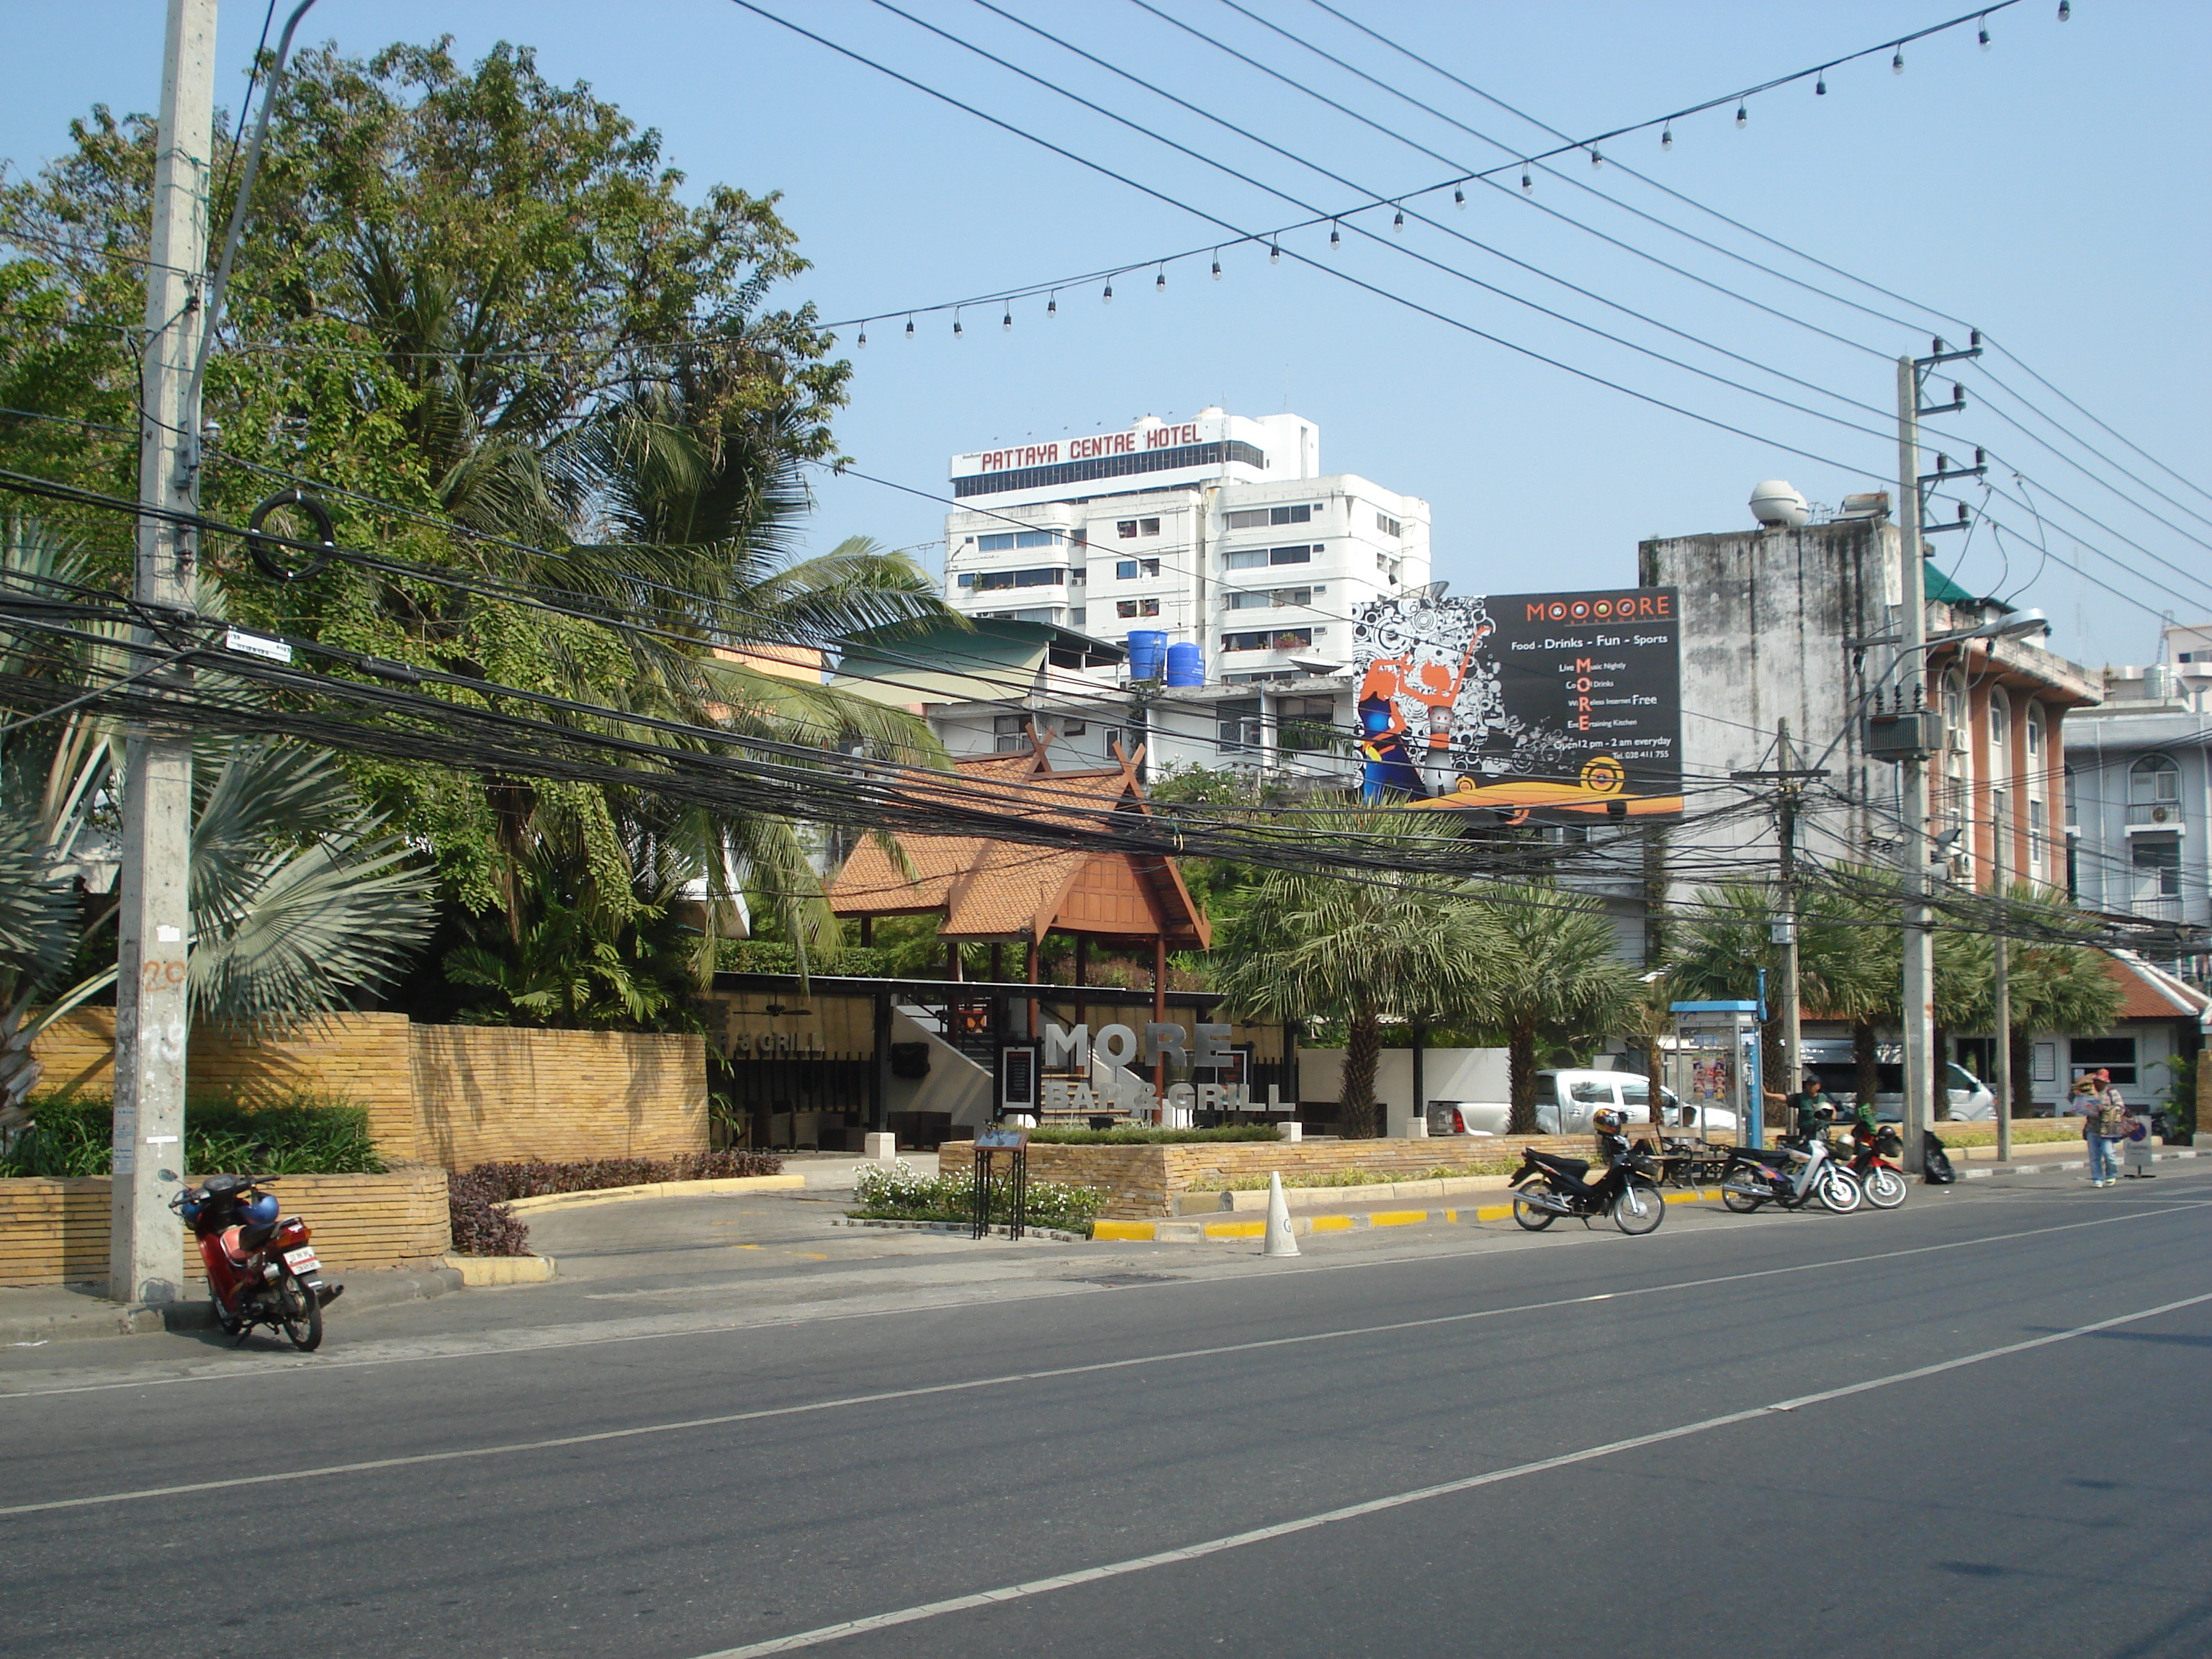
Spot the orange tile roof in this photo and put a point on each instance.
(988, 888)
(2150, 993)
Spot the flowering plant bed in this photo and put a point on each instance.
(902, 1193)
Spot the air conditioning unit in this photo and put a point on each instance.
(1906, 734)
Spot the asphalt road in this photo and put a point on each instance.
(1976, 1425)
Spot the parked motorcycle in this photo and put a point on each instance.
(1789, 1177)
(260, 1271)
(1548, 1185)
(1874, 1153)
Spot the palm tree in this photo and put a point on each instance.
(298, 898)
(2054, 983)
(1308, 946)
(1554, 977)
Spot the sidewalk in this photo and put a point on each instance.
(34, 1315)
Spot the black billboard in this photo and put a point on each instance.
(1551, 708)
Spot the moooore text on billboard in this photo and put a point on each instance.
(1546, 708)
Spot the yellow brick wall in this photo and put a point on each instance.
(1143, 1181)
(363, 1057)
(55, 1232)
(488, 1093)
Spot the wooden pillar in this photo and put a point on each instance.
(879, 1072)
(1420, 1049)
(953, 962)
(1082, 974)
(868, 930)
(1031, 960)
(998, 964)
(1290, 1032)
(1160, 1011)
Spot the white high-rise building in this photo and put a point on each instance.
(1219, 532)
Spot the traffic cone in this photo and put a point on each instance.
(1281, 1241)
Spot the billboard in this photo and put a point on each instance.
(1546, 708)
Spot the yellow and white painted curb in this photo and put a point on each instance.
(1190, 1231)
(478, 1271)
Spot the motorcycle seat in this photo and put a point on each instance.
(235, 1249)
(1576, 1167)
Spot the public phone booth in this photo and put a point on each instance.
(1714, 1066)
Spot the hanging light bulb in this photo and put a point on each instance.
(1983, 34)
(1006, 322)
(955, 323)
(1052, 306)
(1597, 162)
(1667, 137)
(1742, 115)
(1107, 298)
(1526, 183)
(910, 328)
(863, 341)
(1274, 254)
(1216, 265)
(1897, 62)
(1335, 237)
(1398, 224)
(1160, 282)
(2065, 9)
(1820, 87)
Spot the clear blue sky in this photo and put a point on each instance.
(2050, 190)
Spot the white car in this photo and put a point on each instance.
(1565, 1101)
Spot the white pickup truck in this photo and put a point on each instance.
(1565, 1101)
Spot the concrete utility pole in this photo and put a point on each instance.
(2000, 984)
(152, 1012)
(1918, 997)
(1790, 781)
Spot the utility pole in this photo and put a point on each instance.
(2001, 985)
(1789, 781)
(152, 1012)
(1922, 1063)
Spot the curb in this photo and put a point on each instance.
(2039, 1166)
(380, 1287)
(775, 1183)
(1202, 1232)
(960, 1227)
(479, 1271)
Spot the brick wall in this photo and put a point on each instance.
(362, 1057)
(1143, 1181)
(55, 1232)
(487, 1093)
(451, 1095)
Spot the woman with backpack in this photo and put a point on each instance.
(2105, 1126)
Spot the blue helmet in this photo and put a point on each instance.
(261, 1211)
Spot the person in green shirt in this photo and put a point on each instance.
(1808, 1106)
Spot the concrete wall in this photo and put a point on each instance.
(450, 1094)
(55, 1232)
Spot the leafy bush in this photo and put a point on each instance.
(302, 1134)
(508, 1181)
(902, 1192)
(482, 1224)
(1140, 1137)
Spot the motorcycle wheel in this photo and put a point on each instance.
(300, 1315)
(1529, 1216)
(1634, 1198)
(1741, 1203)
(1839, 1191)
(1885, 1188)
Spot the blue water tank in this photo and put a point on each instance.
(1186, 665)
(1148, 648)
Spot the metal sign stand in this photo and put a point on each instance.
(1015, 1145)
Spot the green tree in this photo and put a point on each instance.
(1553, 977)
(300, 897)
(1311, 945)
(2054, 983)
(475, 311)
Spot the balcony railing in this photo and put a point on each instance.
(2154, 815)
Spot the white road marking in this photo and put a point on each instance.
(367, 1465)
(824, 1634)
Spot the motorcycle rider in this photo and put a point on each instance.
(1812, 1108)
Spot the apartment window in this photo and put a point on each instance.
(1262, 598)
(2034, 732)
(1258, 558)
(1388, 526)
(1148, 526)
(966, 579)
(1125, 607)
(2153, 780)
(1079, 575)
(1149, 566)
(1148, 607)
(1003, 540)
(1382, 561)
(1259, 517)
(1237, 724)
(1304, 724)
(2157, 869)
(1073, 728)
(1125, 570)
(1047, 576)
(1007, 736)
(1130, 529)
(1277, 638)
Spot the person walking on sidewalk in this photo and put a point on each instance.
(2106, 1125)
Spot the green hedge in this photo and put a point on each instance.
(303, 1134)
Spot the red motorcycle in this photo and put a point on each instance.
(1874, 1159)
(260, 1271)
